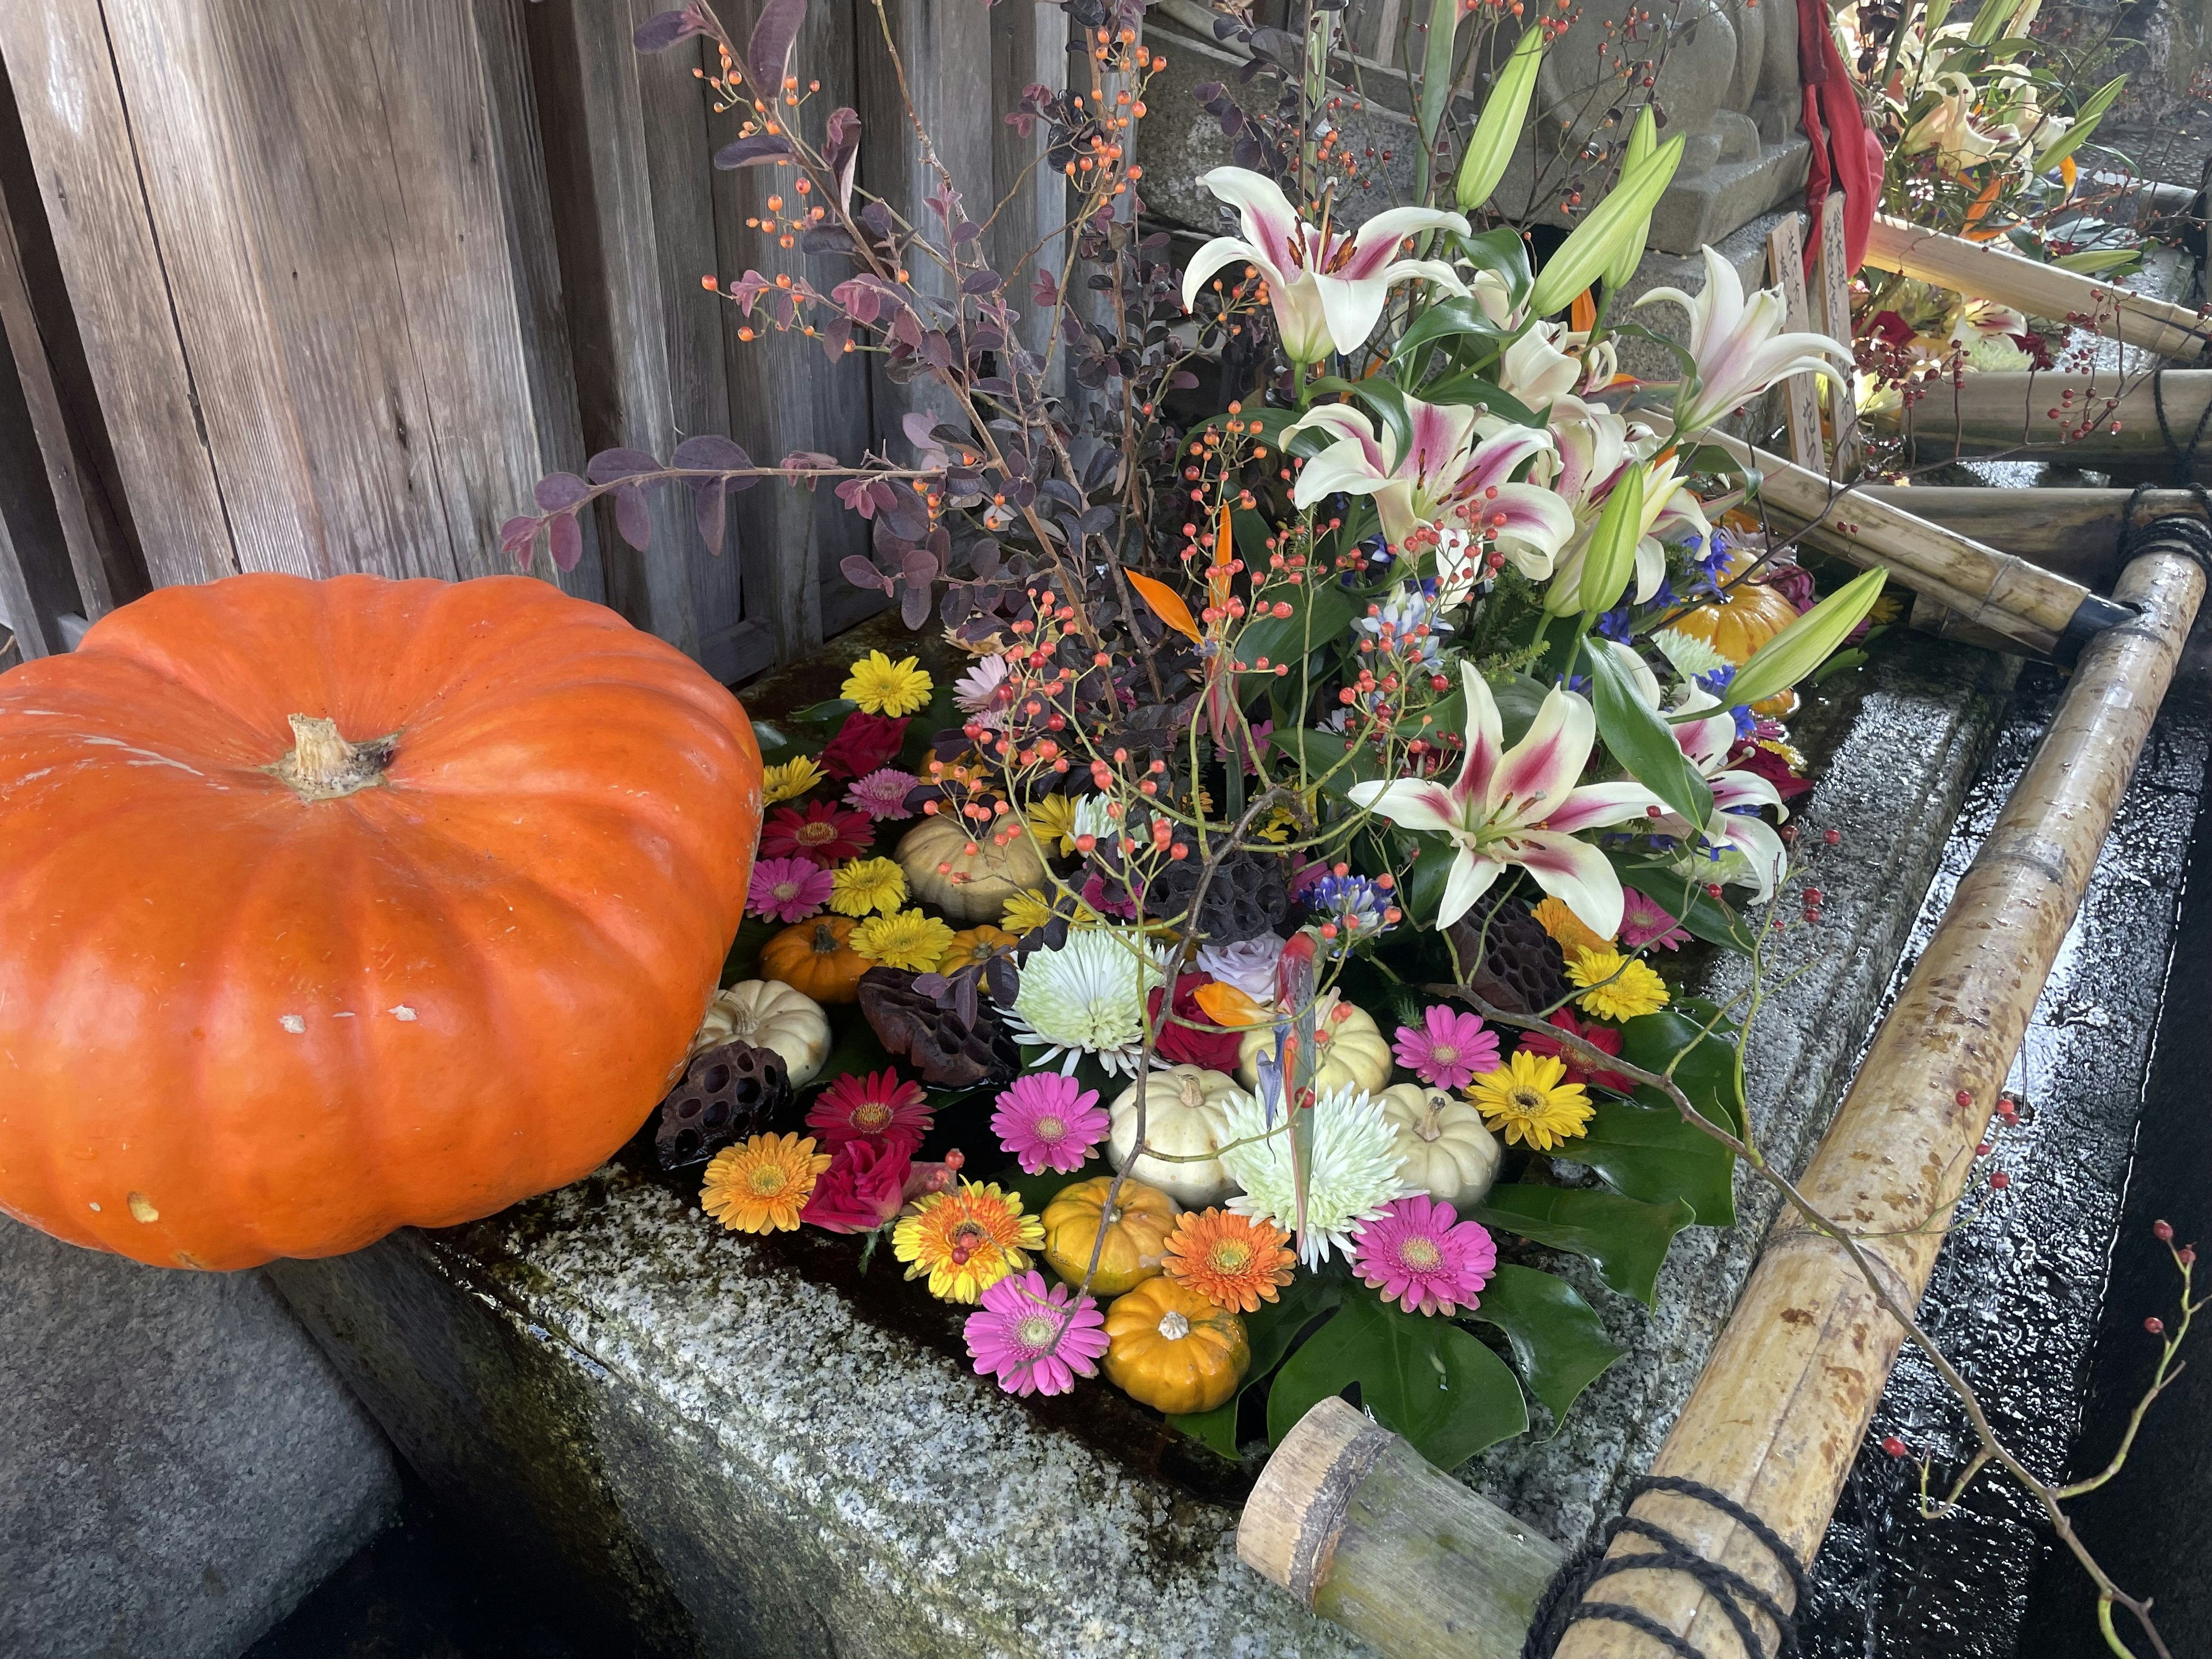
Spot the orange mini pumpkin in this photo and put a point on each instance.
(1137, 1232)
(1744, 617)
(333, 906)
(814, 956)
(1171, 1349)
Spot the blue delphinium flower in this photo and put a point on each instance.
(1355, 903)
(1406, 609)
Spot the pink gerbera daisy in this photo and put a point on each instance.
(1044, 1121)
(1643, 922)
(1033, 1339)
(882, 794)
(787, 889)
(1421, 1256)
(822, 833)
(1448, 1049)
(879, 1106)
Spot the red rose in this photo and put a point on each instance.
(1603, 1037)
(863, 743)
(1201, 1042)
(1766, 763)
(863, 1188)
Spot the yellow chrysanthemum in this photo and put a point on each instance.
(1617, 987)
(1529, 1100)
(905, 939)
(1053, 818)
(866, 885)
(758, 1185)
(1572, 932)
(789, 780)
(967, 1240)
(877, 685)
(1029, 910)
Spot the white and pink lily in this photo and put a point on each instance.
(1520, 806)
(1457, 471)
(1672, 513)
(1739, 346)
(1736, 795)
(1329, 290)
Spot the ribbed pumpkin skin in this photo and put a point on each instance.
(281, 1028)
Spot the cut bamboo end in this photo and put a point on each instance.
(1779, 1412)
(1985, 271)
(1350, 1520)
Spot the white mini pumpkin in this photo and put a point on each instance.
(770, 1015)
(1354, 1052)
(1446, 1149)
(1186, 1114)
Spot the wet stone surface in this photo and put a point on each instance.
(2019, 1286)
(732, 1446)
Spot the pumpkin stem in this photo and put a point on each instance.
(323, 766)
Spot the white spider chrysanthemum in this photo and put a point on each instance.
(1355, 1169)
(1689, 655)
(1088, 998)
(1091, 817)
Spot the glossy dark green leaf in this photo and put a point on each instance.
(1446, 321)
(1425, 878)
(1320, 616)
(1215, 1428)
(1276, 1325)
(1649, 1153)
(856, 1050)
(1637, 738)
(1469, 388)
(1707, 1066)
(1421, 1376)
(1518, 696)
(1625, 1240)
(1040, 1189)
(1558, 1340)
(1684, 897)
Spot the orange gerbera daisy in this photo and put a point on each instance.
(1234, 1261)
(758, 1185)
(966, 1240)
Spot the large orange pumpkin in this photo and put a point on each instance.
(326, 908)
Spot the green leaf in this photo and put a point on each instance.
(1276, 1327)
(2099, 261)
(1707, 1066)
(1558, 1340)
(1518, 696)
(1593, 245)
(1503, 114)
(2085, 122)
(858, 1050)
(1216, 1428)
(1445, 320)
(1040, 1189)
(1470, 388)
(824, 713)
(1320, 615)
(1424, 1377)
(1625, 1240)
(1637, 738)
(1798, 649)
(1684, 897)
(1648, 1152)
(744, 956)
(1425, 878)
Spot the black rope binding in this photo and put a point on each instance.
(1562, 1604)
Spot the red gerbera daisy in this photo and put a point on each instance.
(1606, 1037)
(879, 1106)
(825, 833)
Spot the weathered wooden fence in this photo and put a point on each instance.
(326, 285)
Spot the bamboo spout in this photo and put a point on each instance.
(1783, 1403)
(2039, 612)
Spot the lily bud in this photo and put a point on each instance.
(1502, 117)
(1593, 248)
(1807, 643)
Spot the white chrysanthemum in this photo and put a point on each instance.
(1690, 655)
(1088, 998)
(980, 693)
(1091, 817)
(1355, 1168)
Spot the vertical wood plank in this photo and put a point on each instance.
(1831, 282)
(634, 219)
(79, 135)
(36, 585)
(786, 394)
(1801, 406)
(1028, 45)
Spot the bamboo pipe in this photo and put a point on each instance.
(1982, 270)
(2038, 611)
(2073, 533)
(1786, 1395)
(1354, 1522)
(2068, 416)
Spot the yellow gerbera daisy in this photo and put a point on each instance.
(759, 1185)
(1529, 1100)
(1053, 818)
(789, 780)
(865, 885)
(1619, 986)
(967, 1240)
(905, 939)
(877, 685)
(1572, 932)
